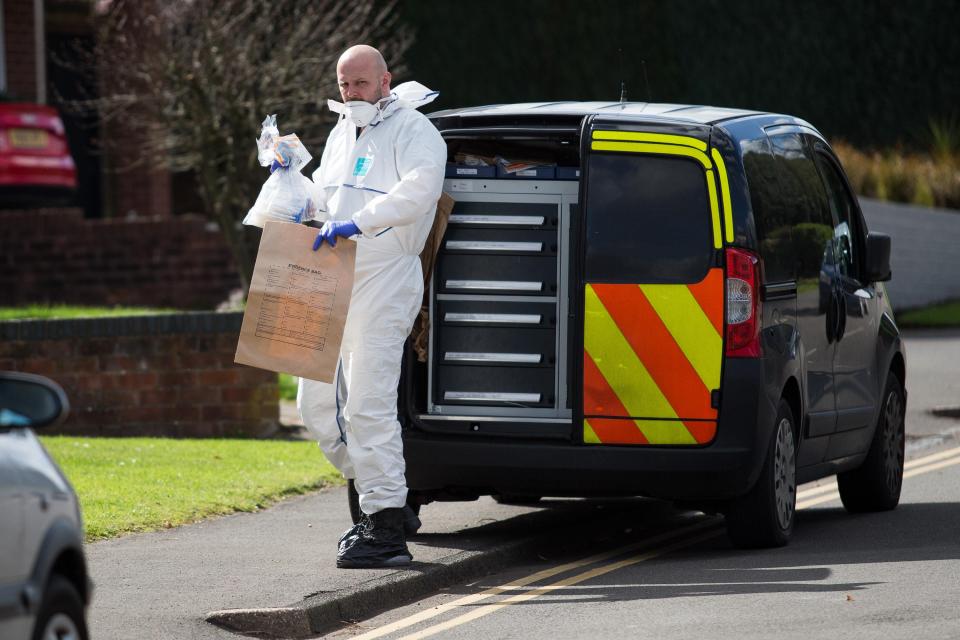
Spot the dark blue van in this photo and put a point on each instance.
(662, 300)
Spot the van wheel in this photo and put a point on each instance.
(876, 484)
(764, 517)
(61, 612)
(353, 501)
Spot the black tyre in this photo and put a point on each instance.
(876, 484)
(764, 517)
(353, 501)
(61, 612)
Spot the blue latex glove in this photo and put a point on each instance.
(333, 229)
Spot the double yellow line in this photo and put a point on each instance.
(829, 491)
(675, 539)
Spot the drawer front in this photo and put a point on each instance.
(533, 173)
(494, 386)
(486, 313)
(469, 171)
(477, 346)
(500, 241)
(504, 215)
(496, 274)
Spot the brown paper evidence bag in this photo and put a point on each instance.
(298, 300)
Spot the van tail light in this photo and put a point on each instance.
(743, 304)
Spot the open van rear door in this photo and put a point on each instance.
(656, 215)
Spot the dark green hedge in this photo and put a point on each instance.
(874, 72)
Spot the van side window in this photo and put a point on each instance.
(647, 220)
(793, 223)
(846, 231)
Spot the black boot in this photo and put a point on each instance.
(354, 531)
(377, 543)
(411, 524)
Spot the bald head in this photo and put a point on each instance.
(362, 74)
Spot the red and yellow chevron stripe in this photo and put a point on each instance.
(652, 355)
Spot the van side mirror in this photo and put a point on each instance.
(28, 400)
(878, 257)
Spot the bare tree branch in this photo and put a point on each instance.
(189, 81)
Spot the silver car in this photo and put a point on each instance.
(44, 586)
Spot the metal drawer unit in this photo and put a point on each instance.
(498, 297)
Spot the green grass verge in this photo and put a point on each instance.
(60, 311)
(288, 386)
(946, 314)
(143, 484)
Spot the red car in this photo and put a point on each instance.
(35, 162)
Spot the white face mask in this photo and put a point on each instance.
(358, 112)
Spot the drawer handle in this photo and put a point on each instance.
(512, 358)
(487, 396)
(498, 318)
(475, 245)
(525, 221)
(495, 285)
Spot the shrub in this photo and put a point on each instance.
(930, 180)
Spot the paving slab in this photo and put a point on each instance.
(278, 565)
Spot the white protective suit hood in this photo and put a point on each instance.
(408, 95)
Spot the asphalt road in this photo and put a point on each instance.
(933, 381)
(886, 575)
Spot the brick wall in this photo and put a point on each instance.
(153, 375)
(58, 256)
(20, 51)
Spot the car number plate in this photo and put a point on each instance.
(28, 138)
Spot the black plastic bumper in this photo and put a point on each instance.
(726, 468)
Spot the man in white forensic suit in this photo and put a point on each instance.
(379, 180)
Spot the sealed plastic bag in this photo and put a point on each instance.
(285, 195)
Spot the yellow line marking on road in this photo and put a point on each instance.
(931, 467)
(566, 582)
(917, 467)
(530, 579)
(949, 453)
(912, 468)
(812, 502)
(812, 491)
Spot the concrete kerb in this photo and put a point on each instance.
(323, 612)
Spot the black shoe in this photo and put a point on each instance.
(379, 545)
(411, 524)
(362, 523)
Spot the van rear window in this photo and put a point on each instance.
(648, 220)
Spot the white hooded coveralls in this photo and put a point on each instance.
(388, 181)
